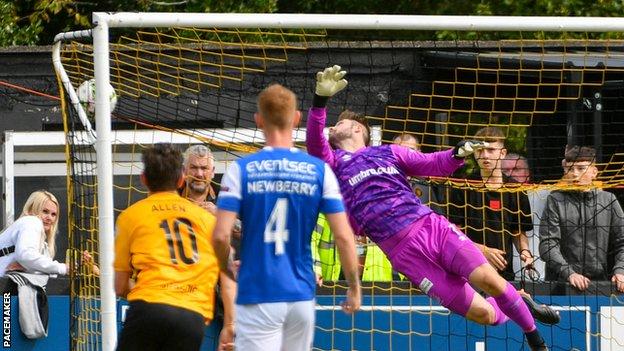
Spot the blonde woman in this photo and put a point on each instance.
(29, 243)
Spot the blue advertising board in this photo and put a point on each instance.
(397, 322)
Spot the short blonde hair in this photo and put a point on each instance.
(406, 137)
(277, 105)
(34, 206)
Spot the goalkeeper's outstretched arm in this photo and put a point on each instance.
(435, 164)
(328, 82)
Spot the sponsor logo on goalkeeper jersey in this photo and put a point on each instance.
(372, 171)
(283, 165)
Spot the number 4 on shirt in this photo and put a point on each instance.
(275, 230)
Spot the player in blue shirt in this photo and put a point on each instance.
(278, 193)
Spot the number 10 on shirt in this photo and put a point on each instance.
(275, 230)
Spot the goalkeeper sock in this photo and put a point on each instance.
(501, 318)
(512, 305)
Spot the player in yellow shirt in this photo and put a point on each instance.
(166, 241)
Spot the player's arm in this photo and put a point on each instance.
(228, 293)
(121, 264)
(345, 243)
(344, 238)
(221, 239)
(418, 164)
(328, 82)
(228, 205)
(316, 143)
(435, 164)
(315, 247)
(122, 283)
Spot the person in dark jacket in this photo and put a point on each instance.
(582, 227)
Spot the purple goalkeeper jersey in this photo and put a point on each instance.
(373, 180)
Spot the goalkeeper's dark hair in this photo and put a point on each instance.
(490, 135)
(578, 153)
(348, 114)
(162, 167)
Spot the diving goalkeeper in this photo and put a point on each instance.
(433, 253)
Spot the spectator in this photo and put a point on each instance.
(199, 172)
(27, 250)
(582, 226)
(29, 243)
(516, 167)
(494, 218)
(408, 140)
(165, 239)
(198, 175)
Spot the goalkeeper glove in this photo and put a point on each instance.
(468, 147)
(328, 82)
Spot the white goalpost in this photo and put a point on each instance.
(102, 136)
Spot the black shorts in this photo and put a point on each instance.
(154, 326)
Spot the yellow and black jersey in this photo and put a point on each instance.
(167, 241)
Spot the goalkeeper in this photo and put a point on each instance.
(424, 246)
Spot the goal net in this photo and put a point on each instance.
(193, 79)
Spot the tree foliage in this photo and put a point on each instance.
(29, 22)
(12, 32)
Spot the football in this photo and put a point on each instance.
(86, 95)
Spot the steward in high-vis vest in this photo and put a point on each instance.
(326, 263)
(377, 268)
